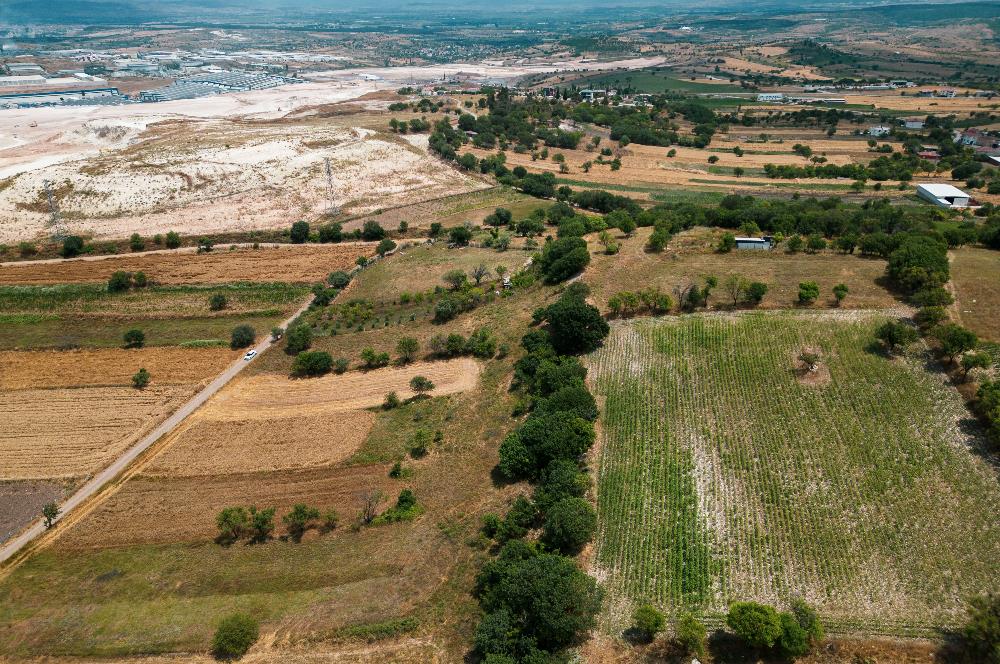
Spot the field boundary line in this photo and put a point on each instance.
(88, 496)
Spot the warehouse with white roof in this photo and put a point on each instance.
(943, 195)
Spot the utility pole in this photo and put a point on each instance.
(55, 218)
(332, 210)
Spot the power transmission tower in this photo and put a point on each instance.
(332, 209)
(55, 218)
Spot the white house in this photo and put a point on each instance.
(879, 130)
(770, 96)
(943, 195)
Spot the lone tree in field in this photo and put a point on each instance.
(50, 512)
(119, 282)
(896, 335)
(840, 292)
(232, 523)
(370, 502)
(736, 286)
(134, 338)
(299, 338)
(140, 379)
(421, 384)
(479, 273)
(299, 520)
(300, 232)
(261, 524)
(217, 302)
(647, 622)
(242, 336)
(234, 636)
(455, 278)
(407, 348)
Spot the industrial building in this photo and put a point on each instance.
(943, 195)
(204, 85)
(51, 98)
(771, 96)
(754, 242)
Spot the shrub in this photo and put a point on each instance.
(407, 348)
(459, 235)
(372, 231)
(421, 384)
(134, 338)
(981, 634)
(72, 246)
(391, 401)
(928, 317)
(515, 460)
(234, 636)
(299, 519)
(569, 524)
(756, 292)
(298, 339)
(647, 622)
(372, 359)
(727, 243)
(26, 249)
(385, 246)
(808, 620)
(173, 240)
(563, 258)
(217, 302)
(119, 281)
(955, 339)
(795, 243)
(300, 232)
(136, 243)
(242, 336)
(312, 363)
(840, 292)
(338, 279)
(690, 635)
(895, 335)
(808, 292)
(793, 641)
(757, 624)
(331, 233)
(140, 379)
(340, 365)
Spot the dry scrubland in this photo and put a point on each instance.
(204, 176)
(724, 476)
(975, 279)
(691, 256)
(282, 263)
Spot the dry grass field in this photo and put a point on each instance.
(72, 432)
(975, 278)
(422, 267)
(691, 256)
(27, 370)
(270, 263)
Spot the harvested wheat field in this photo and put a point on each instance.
(75, 432)
(27, 370)
(184, 508)
(270, 263)
(206, 446)
(271, 396)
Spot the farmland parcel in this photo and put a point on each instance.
(726, 476)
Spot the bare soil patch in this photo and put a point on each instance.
(21, 502)
(270, 396)
(34, 370)
(74, 432)
(271, 263)
(212, 447)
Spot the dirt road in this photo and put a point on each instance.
(121, 463)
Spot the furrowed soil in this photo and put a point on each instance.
(22, 501)
(36, 370)
(724, 477)
(269, 263)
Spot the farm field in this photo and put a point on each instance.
(975, 274)
(654, 82)
(421, 268)
(726, 474)
(270, 263)
(691, 256)
(305, 440)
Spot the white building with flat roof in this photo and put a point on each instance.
(943, 195)
(770, 96)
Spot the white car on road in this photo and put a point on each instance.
(250, 355)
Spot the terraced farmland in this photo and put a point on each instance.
(724, 475)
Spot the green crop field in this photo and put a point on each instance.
(725, 475)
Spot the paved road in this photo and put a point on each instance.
(121, 463)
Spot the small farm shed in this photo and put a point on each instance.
(943, 195)
(754, 243)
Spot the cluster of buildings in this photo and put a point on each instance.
(203, 85)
